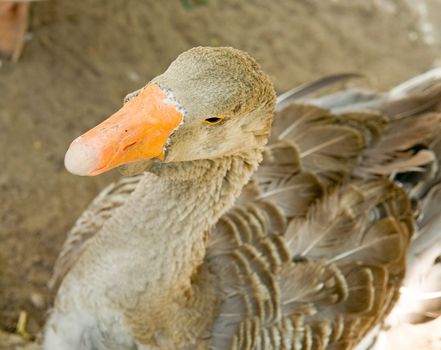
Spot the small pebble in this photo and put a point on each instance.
(37, 144)
(37, 300)
(133, 76)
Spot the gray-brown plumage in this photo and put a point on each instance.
(310, 254)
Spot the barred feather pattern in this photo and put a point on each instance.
(343, 185)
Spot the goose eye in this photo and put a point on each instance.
(212, 121)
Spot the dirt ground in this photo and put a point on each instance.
(82, 57)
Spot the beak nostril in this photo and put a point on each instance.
(129, 146)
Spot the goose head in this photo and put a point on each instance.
(210, 103)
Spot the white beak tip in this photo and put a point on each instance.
(81, 158)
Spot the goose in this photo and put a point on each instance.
(233, 232)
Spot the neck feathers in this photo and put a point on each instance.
(154, 245)
(218, 181)
(163, 224)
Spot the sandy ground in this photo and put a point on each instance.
(84, 56)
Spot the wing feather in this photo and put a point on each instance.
(332, 269)
(90, 222)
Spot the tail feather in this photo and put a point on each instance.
(417, 95)
(415, 85)
(304, 90)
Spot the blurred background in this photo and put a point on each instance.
(74, 61)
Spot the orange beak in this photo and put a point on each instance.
(139, 130)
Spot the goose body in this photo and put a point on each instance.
(230, 242)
